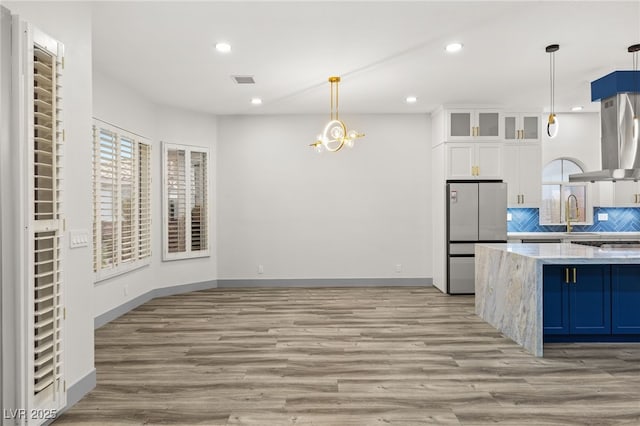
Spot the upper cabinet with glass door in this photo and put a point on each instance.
(478, 124)
(521, 127)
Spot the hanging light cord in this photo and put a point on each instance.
(635, 83)
(331, 113)
(334, 96)
(552, 74)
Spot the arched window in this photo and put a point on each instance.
(556, 191)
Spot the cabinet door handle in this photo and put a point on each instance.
(519, 134)
(518, 198)
(477, 170)
(566, 275)
(574, 275)
(522, 198)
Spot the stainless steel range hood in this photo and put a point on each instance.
(619, 142)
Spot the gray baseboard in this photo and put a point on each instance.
(80, 388)
(76, 392)
(328, 282)
(118, 311)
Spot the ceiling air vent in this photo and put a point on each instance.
(243, 79)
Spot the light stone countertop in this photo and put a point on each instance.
(508, 283)
(554, 253)
(575, 235)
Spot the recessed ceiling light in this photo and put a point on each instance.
(411, 99)
(576, 108)
(453, 47)
(223, 47)
(256, 101)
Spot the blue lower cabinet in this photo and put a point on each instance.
(590, 299)
(576, 299)
(625, 284)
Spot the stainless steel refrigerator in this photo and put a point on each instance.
(476, 213)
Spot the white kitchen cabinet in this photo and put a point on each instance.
(618, 194)
(626, 194)
(467, 125)
(474, 161)
(522, 168)
(524, 127)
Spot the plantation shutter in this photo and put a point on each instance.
(45, 136)
(105, 198)
(129, 200)
(185, 202)
(198, 201)
(144, 201)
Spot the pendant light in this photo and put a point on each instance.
(335, 134)
(552, 124)
(634, 49)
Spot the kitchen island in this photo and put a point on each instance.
(509, 289)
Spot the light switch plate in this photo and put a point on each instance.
(78, 238)
(603, 217)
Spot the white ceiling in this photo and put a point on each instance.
(384, 51)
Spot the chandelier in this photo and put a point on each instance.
(335, 134)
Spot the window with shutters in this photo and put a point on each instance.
(122, 201)
(185, 202)
(557, 190)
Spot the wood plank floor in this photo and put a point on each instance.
(344, 356)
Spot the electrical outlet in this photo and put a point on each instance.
(509, 217)
(602, 217)
(260, 269)
(398, 267)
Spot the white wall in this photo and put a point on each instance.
(124, 107)
(71, 24)
(578, 138)
(352, 214)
